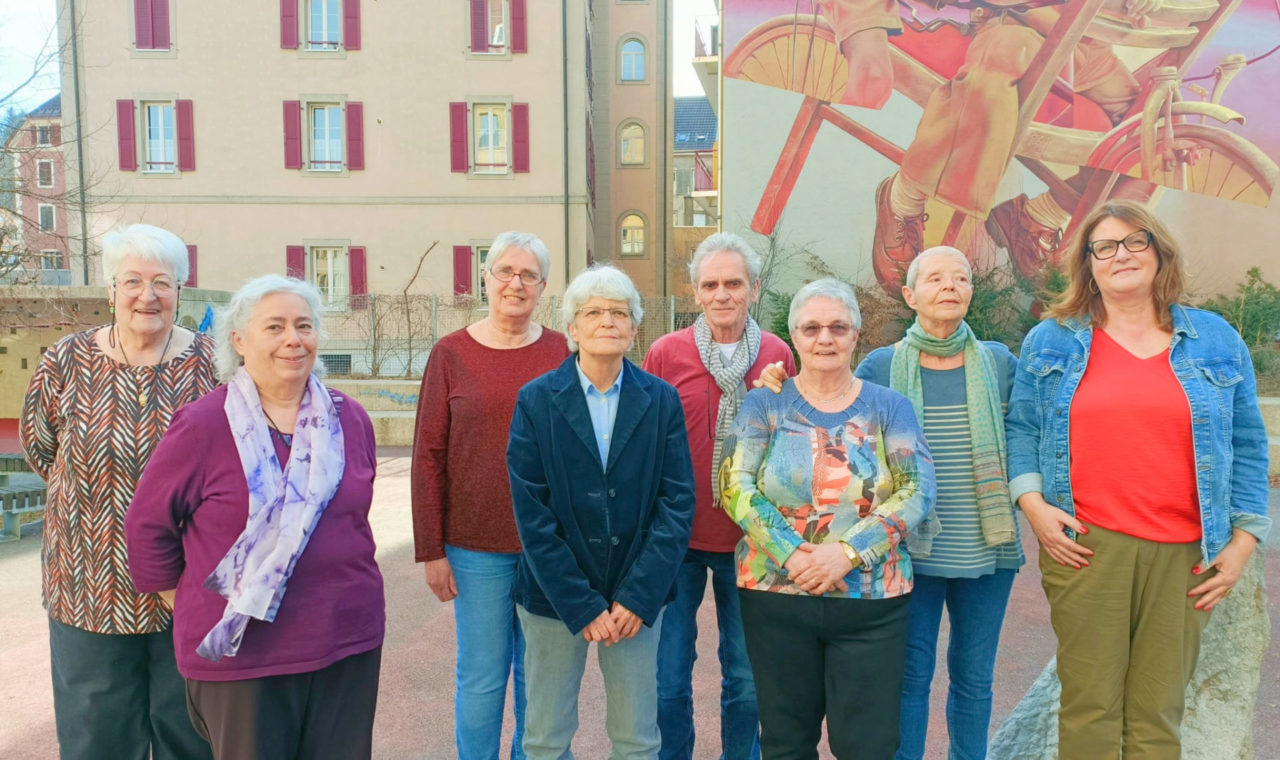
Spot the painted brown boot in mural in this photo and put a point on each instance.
(897, 240)
(1032, 246)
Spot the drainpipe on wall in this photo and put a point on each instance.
(75, 78)
(564, 68)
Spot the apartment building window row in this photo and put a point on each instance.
(499, 27)
(151, 30)
(166, 140)
(489, 137)
(320, 25)
(324, 135)
(338, 270)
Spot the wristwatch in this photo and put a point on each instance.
(851, 553)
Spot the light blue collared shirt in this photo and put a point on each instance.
(603, 408)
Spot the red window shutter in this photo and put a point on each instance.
(462, 270)
(351, 24)
(292, 134)
(357, 261)
(295, 262)
(160, 24)
(126, 138)
(186, 136)
(458, 137)
(289, 24)
(519, 33)
(191, 267)
(142, 36)
(520, 137)
(480, 25)
(55, 135)
(355, 136)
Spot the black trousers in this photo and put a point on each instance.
(119, 697)
(326, 713)
(815, 656)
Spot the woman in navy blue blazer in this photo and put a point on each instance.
(603, 491)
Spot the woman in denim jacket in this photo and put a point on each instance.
(1138, 454)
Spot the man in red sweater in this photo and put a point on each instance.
(712, 364)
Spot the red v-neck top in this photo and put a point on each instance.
(1132, 457)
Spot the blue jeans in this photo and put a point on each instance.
(739, 720)
(554, 661)
(975, 609)
(490, 648)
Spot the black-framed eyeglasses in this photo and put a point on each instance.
(1106, 249)
(506, 275)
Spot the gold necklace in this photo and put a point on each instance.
(155, 378)
(836, 397)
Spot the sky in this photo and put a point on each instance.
(25, 26)
(684, 13)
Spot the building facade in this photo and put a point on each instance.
(33, 231)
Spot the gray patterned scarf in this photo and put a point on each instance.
(730, 379)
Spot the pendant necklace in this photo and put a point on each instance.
(836, 397)
(155, 378)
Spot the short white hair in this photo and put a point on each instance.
(724, 242)
(827, 287)
(913, 271)
(147, 243)
(526, 241)
(600, 281)
(235, 316)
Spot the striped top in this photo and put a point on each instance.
(89, 425)
(959, 551)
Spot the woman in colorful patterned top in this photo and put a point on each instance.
(96, 407)
(826, 479)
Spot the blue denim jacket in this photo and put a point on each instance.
(1213, 367)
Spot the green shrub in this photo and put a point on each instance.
(1254, 310)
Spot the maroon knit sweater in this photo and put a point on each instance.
(461, 495)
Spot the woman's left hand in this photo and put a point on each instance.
(771, 377)
(826, 572)
(1229, 565)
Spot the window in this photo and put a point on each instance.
(482, 255)
(633, 242)
(631, 63)
(498, 27)
(44, 135)
(489, 123)
(324, 25)
(151, 24)
(44, 174)
(159, 137)
(330, 274)
(46, 217)
(51, 260)
(631, 145)
(325, 120)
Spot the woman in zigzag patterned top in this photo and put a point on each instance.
(96, 407)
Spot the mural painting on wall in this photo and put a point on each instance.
(1083, 99)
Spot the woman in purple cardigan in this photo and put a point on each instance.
(255, 508)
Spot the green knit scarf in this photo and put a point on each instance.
(986, 418)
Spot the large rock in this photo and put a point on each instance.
(1218, 723)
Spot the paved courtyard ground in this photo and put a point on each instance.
(415, 706)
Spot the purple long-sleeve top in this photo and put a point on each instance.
(190, 506)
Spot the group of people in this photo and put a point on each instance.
(562, 495)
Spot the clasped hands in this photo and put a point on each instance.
(819, 568)
(613, 625)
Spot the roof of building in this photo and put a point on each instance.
(50, 109)
(695, 124)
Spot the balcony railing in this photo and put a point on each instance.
(706, 36)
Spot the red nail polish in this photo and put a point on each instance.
(1196, 569)
(1084, 529)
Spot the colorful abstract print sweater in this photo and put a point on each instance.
(794, 474)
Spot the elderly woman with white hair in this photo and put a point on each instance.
(255, 507)
(958, 386)
(463, 527)
(94, 412)
(826, 478)
(603, 490)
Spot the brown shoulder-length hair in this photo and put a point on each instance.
(1081, 297)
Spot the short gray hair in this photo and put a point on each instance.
(913, 271)
(235, 316)
(725, 242)
(827, 287)
(147, 243)
(527, 241)
(602, 281)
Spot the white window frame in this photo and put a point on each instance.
(53, 218)
(47, 131)
(334, 283)
(479, 111)
(324, 162)
(325, 45)
(644, 144)
(497, 29)
(480, 255)
(51, 255)
(44, 162)
(167, 161)
(622, 234)
(623, 55)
